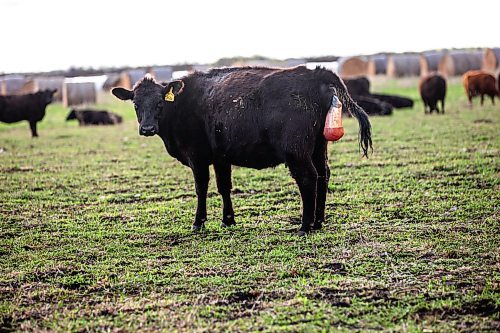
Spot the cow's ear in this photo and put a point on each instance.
(176, 87)
(123, 94)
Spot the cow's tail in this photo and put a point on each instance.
(365, 128)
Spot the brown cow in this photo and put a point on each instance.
(480, 83)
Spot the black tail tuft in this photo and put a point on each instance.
(365, 129)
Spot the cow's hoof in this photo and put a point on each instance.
(301, 233)
(224, 225)
(196, 228)
(317, 226)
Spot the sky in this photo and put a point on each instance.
(58, 34)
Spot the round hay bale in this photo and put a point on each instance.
(463, 61)
(43, 83)
(431, 62)
(401, 65)
(11, 84)
(352, 67)
(130, 77)
(377, 65)
(112, 80)
(161, 74)
(76, 93)
(491, 59)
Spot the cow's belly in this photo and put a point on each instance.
(10, 117)
(257, 156)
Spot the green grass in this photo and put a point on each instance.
(95, 232)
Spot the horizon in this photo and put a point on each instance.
(99, 35)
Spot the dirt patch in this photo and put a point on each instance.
(342, 298)
(6, 322)
(25, 168)
(335, 267)
(483, 121)
(479, 308)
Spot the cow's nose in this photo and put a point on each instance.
(147, 130)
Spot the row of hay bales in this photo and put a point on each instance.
(69, 93)
(448, 63)
(128, 78)
(80, 90)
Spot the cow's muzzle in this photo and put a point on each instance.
(147, 130)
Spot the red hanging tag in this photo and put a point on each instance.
(333, 125)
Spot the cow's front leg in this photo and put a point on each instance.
(306, 176)
(33, 129)
(201, 178)
(223, 175)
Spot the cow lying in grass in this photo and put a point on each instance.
(30, 107)
(251, 117)
(94, 117)
(374, 104)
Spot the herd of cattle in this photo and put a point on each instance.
(31, 107)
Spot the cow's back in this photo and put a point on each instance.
(433, 88)
(247, 116)
(479, 82)
(22, 107)
(235, 117)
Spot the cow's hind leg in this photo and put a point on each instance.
(33, 129)
(223, 175)
(442, 104)
(320, 162)
(201, 178)
(306, 176)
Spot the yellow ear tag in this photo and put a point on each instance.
(170, 97)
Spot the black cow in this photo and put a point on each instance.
(373, 106)
(398, 102)
(94, 117)
(358, 86)
(433, 89)
(251, 117)
(30, 107)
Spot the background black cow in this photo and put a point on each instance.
(252, 117)
(372, 103)
(94, 117)
(30, 107)
(433, 89)
(373, 106)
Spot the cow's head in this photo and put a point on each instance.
(71, 115)
(48, 95)
(150, 101)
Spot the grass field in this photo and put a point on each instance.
(95, 232)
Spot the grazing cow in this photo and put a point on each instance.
(94, 117)
(251, 117)
(30, 107)
(479, 83)
(373, 106)
(433, 89)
